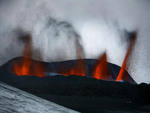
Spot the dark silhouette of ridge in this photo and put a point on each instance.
(81, 93)
(53, 67)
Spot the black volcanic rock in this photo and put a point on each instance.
(53, 67)
(71, 85)
(74, 91)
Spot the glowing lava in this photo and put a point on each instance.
(75, 69)
(101, 70)
(26, 66)
(79, 69)
(122, 74)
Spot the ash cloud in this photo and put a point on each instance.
(98, 25)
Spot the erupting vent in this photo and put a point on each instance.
(122, 75)
(27, 66)
(100, 71)
(78, 69)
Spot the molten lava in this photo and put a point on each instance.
(122, 74)
(79, 69)
(101, 70)
(27, 66)
(75, 69)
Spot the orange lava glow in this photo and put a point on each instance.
(77, 69)
(101, 70)
(26, 66)
(122, 74)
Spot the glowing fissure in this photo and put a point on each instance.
(122, 74)
(101, 70)
(26, 66)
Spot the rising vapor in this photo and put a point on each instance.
(58, 27)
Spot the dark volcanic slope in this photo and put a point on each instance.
(89, 67)
(83, 94)
(71, 85)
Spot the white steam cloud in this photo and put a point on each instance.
(98, 25)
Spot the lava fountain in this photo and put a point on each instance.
(26, 66)
(122, 74)
(79, 67)
(101, 70)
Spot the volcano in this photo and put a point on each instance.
(85, 85)
(60, 68)
(78, 92)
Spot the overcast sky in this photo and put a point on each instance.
(100, 24)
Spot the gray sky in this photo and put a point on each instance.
(100, 24)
